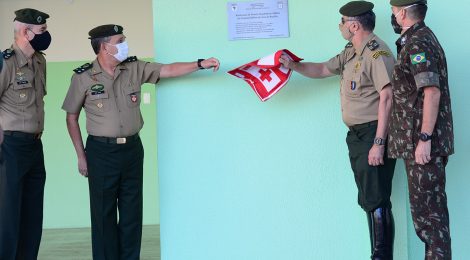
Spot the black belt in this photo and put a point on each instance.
(115, 140)
(23, 135)
(362, 126)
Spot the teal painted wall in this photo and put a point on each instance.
(66, 202)
(241, 179)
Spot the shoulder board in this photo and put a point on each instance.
(349, 45)
(83, 68)
(373, 45)
(130, 59)
(8, 53)
(377, 54)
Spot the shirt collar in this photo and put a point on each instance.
(404, 37)
(364, 43)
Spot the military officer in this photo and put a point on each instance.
(421, 128)
(22, 171)
(109, 90)
(365, 67)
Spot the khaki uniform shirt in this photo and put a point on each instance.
(112, 105)
(421, 62)
(22, 91)
(364, 73)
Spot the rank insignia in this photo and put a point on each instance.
(377, 54)
(353, 85)
(133, 98)
(418, 58)
(373, 45)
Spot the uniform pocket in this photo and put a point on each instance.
(97, 103)
(132, 96)
(23, 93)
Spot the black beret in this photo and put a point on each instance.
(407, 2)
(356, 8)
(105, 31)
(31, 16)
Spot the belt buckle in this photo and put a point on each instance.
(121, 140)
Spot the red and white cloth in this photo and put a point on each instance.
(267, 75)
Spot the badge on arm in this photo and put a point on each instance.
(418, 58)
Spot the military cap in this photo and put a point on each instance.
(31, 16)
(356, 8)
(105, 31)
(407, 2)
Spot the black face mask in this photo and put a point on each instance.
(396, 27)
(41, 42)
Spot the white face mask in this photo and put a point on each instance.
(122, 51)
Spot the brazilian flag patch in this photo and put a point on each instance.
(418, 58)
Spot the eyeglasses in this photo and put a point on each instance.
(347, 20)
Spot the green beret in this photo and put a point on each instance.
(105, 31)
(30, 16)
(407, 2)
(356, 8)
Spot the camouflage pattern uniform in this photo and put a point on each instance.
(421, 62)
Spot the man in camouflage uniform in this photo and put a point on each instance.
(365, 67)
(421, 130)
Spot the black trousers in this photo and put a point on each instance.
(22, 179)
(115, 173)
(374, 183)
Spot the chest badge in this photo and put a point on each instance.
(353, 85)
(99, 105)
(22, 95)
(357, 66)
(133, 98)
(97, 89)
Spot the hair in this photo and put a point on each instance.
(417, 12)
(367, 20)
(96, 43)
(17, 27)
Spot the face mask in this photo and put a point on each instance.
(41, 42)
(122, 51)
(396, 27)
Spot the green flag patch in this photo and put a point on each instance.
(418, 58)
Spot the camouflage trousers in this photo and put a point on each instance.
(428, 203)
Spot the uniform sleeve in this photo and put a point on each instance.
(424, 64)
(335, 64)
(381, 68)
(73, 102)
(150, 72)
(4, 77)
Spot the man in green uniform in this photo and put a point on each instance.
(109, 89)
(365, 67)
(421, 128)
(22, 171)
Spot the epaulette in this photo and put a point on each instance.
(83, 68)
(130, 59)
(349, 45)
(8, 53)
(373, 45)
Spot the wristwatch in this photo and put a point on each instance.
(379, 141)
(424, 136)
(199, 65)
